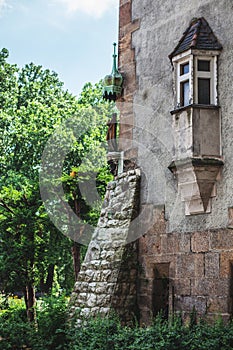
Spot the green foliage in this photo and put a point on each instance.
(48, 334)
(52, 332)
(51, 319)
(33, 104)
(108, 334)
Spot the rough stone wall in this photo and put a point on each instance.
(195, 253)
(127, 67)
(162, 23)
(198, 249)
(108, 276)
(200, 274)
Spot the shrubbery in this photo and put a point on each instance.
(105, 334)
(48, 333)
(53, 333)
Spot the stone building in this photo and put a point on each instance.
(176, 128)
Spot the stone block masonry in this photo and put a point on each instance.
(199, 273)
(108, 276)
(192, 254)
(128, 68)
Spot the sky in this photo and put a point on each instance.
(71, 37)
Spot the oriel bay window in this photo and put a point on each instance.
(194, 61)
(196, 119)
(195, 79)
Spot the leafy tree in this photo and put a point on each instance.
(33, 105)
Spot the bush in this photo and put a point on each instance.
(49, 333)
(108, 333)
(53, 333)
(51, 321)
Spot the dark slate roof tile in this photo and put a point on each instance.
(198, 35)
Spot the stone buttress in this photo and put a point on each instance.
(107, 280)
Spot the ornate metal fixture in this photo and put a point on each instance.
(113, 82)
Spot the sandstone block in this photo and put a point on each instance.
(202, 287)
(170, 243)
(210, 287)
(199, 265)
(218, 305)
(185, 242)
(187, 303)
(182, 286)
(226, 263)
(190, 265)
(222, 239)
(125, 14)
(200, 242)
(124, 47)
(212, 265)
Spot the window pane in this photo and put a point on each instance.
(184, 68)
(203, 91)
(185, 93)
(203, 66)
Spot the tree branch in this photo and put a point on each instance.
(5, 206)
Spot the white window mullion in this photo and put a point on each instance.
(191, 80)
(181, 79)
(175, 84)
(195, 81)
(178, 85)
(215, 80)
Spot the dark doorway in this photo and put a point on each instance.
(160, 297)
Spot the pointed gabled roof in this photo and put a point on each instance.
(199, 36)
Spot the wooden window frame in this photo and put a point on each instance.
(181, 79)
(206, 75)
(192, 57)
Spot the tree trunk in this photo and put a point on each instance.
(30, 301)
(49, 279)
(46, 287)
(76, 253)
